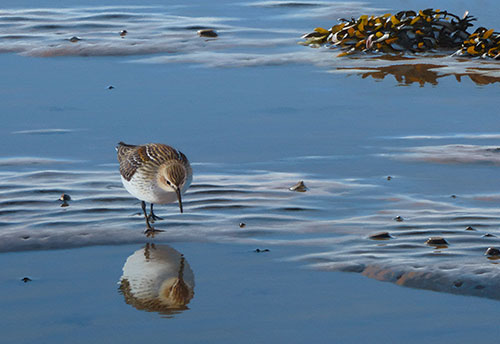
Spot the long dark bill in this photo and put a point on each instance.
(179, 198)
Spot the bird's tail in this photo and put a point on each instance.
(123, 147)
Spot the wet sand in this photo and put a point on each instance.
(436, 242)
(239, 295)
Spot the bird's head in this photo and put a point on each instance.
(172, 178)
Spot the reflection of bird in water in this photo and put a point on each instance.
(154, 173)
(157, 278)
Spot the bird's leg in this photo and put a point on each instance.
(150, 231)
(143, 204)
(152, 217)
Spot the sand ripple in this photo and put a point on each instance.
(171, 35)
(453, 153)
(334, 219)
(405, 258)
(106, 213)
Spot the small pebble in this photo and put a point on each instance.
(74, 39)
(380, 236)
(470, 228)
(299, 187)
(398, 218)
(26, 279)
(492, 251)
(123, 33)
(258, 250)
(207, 33)
(65, 197)
(242, 224)
(436, 241)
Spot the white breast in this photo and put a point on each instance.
(148, 190)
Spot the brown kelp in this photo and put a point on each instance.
(407, 31)
(483, 42)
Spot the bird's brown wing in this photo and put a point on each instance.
(128, 164)
(133, 157)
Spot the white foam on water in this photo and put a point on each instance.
(150, 30)
(449, 154)
(26, 161)
(232, 60)
(468, 136)
(44, 131)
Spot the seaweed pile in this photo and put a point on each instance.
(483, 42)
(408, 31)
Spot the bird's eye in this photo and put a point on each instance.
(168, 182)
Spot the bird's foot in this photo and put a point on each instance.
(151, 232)
(152, 218)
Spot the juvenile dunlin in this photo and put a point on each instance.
(154, 173)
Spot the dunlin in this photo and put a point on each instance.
(154, 173)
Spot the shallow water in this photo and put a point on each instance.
(255, 113)
(75, 296)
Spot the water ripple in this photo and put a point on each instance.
(339, 236)
(171, 34)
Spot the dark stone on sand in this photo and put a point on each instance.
(398, 218)
(65, 197)
(26, 279)
(470, 228)
(258, 250)
(380, 236)
(242, 224)
(299, 187)
(436, 241)
(488, 235)
(492, 252)
(209, 33)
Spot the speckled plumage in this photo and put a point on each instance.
(154, 173)
(147, 158)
